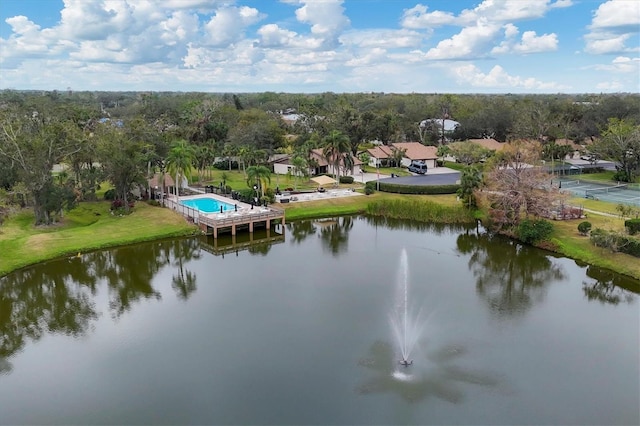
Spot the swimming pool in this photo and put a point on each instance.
(208, 205)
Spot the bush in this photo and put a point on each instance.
(368, 190)
(616, 242)
(584, 227)
(413, 189)
(154, 203)
(632, 226)
(224, 165)
(532, 231)
(346, 179)
(110, 195)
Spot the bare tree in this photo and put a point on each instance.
(516, 188)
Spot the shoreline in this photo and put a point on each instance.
(162, 223)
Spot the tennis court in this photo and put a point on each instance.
(617, 193)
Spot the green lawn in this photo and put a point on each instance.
(90, 226)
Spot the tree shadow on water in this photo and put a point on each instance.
(435, 376)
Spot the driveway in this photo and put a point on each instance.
(437, 176)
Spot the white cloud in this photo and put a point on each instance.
(418, 18)
(622, 65)
(529, 43)
(505, 11)
(95, 20)
(470, 42)
(383, 38)
(613, 24)
(609, 86)
(229, 23)
(498, 78)
(326, 18)
(617, 14)
(607, 43)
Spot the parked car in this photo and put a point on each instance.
(418, 167)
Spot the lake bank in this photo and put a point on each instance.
(91, 227)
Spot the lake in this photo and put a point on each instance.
(309, 328)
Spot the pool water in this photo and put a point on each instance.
(208, 205)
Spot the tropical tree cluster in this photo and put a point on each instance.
(126, 137)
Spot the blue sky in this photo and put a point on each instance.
(310, 46)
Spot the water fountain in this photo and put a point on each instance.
(406, 328)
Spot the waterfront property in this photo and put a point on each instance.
(214, 214)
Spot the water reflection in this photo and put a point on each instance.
(58, 297)
(402, 224)
(184, 280)
(608, 287)
(510, 276)
(300, 230)
(436, 376)
(54, 298)
(334, 234)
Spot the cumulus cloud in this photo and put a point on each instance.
(480, 33)
(470, 42)
(229, 23)
(418, 18)
(497, 77)
(621, 65)
(326, 18)
(225, 44)
(613, 24)
(529, 43)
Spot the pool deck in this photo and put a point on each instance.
(245, 216)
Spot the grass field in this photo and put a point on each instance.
(90, 226)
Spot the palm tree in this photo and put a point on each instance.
(180, 162)
(300, 168)
(336, 147)
(470, 181)
(260, 176)
(397, 154)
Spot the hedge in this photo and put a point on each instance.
(632, 225)
(412, 189)
(616, 242)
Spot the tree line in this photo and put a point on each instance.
(125, 136)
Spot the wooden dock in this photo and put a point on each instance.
(244, 218)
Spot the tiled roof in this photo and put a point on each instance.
(417, 151)
(489, 144)
(380, 152)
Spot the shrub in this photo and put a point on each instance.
(616, 242)
(110, 195)
(584, 227)
(368, 190)
(532, 231)
(413, 189)
(154, 203)
(346, 179)
(632, 226)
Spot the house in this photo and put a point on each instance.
(380, 156)
(415, 151)
(489, 143)
(319, 165)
